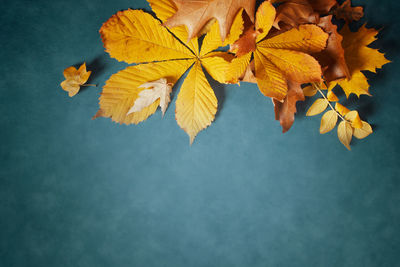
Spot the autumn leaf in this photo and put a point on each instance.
(294, 13)
(355, 119)
(196, 13)
(160, 89)
(74, 79)
(284, 112)
(364, 131)
(134, 36)
(317, 107)
(328, 121)
(341, 109)
(359, 57)
(347, 12)
(345, 133)
(284, 57)
(196, 105)
(332, 97)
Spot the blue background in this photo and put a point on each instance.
(76, 192)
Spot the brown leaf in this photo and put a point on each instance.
(247, 41)
(332, 59)
(294, 13)
(347, 12)
(322, 6)
(196, 13)
(284, 112)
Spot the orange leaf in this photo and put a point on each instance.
(284, 112)
(74, 78)
(196, 13)
(348, 13)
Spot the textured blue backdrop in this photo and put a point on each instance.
(80, 193)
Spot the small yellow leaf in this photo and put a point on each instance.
(364, 131)
(309, 91)
(328, 121)
(196, 104)
(332, 97)
(355, 119)
(341, 109)
(318, 107)
(74, 78)
(345, 133)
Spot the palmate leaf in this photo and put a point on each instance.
(134, 36)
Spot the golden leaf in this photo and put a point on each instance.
(359, 57)
(265, 17)
(364, 131)
(217, 64)
(237, 68)
(135, 36)
(355, 119)
(318, 107)
(332, 97)
(74, 78)
(196, 105)
(123, 88)
(328, 121)
(345, 133)
(341, 109)
(310, 91)
(164, 9)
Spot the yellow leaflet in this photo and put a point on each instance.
(217, 64)
(271, 81)
(318, 107)
(307, 39)
(121, 90)
(265, 17)
(213, 38)
(296, 66)
(196, 104)
(165, 9)
(134, 36)
(237, 68)
(328, 121)
(345, 133)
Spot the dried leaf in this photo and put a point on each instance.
(345, 134)
(74, 78)
(196, 13)
(364, 131)
(196, 105)
(328, 121)
(318, 107)
(355, 119)
(160, 90)
(341, 109)
(332, 58)
(347, 12)
(310, 91)
(332, 97)
(284, 112)
(294, 13)
(359, 57)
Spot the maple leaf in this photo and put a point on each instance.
(160, 89)
(74, 79)
(359, 57)
(196, 13)
(134, 36)
(347, 12)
